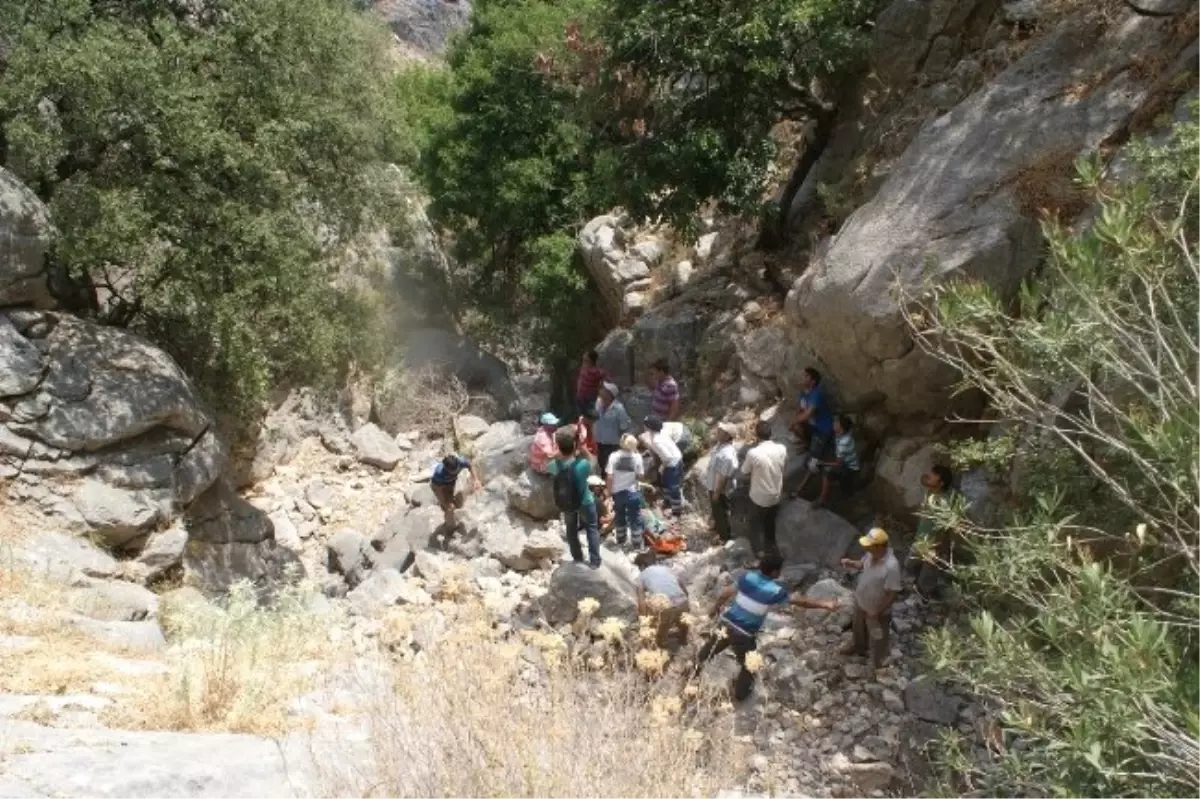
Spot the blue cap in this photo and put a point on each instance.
(548, 418)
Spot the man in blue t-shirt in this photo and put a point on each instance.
(814, 419)
(754, 593)
(585, 516)
(444, 480)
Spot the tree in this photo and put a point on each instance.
(1084, 635)
(202, 162)
(699, 84)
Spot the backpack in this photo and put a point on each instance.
(566, 489)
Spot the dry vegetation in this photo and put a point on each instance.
(425, 399)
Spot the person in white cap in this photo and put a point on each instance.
(612, 422)
(543, 449)
(721, 476)
(625, 468)
(879, 581)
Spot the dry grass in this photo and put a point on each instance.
(425, 399)
(1047, 187)
(481, 716)
(235, 667)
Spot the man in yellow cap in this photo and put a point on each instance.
(878, 583)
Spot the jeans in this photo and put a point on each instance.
(627, 506)
(715, 643)
(672, 486)
(720, 512)
(863, 643)
(764, 519)
(584, 517)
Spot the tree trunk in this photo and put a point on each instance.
(774, 230)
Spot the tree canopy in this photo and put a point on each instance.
(201, 161)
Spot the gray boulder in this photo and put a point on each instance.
(347, 554)
(286, 534)
(896, 487)
(383, 587)
(930, 702)
(144, 636)
(418, 528)
(572, 582)
(614, 262)
(119, 515)
(502, 450)
(230, 540)
(163, 550)
(375, 448)
(533, 495)
(108, 600)
(953, 207)
(21, 362)
(25, 230)
(812, 536)
(425, 24)
(63, 558)
(468, 428)
(318, 494)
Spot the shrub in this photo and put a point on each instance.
(1083, 638)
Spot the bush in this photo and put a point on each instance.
(1084, 634)
(203, 162)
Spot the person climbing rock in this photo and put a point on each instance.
(543, 449)
(587, 385)
(623, 470)
(843, 469)
(753, 595)
(574, 498)
(813, 424)
(665, 404)
(879, 581)
(720, 478)
(670, 461)
(444, 481)
(764, 463)
(933, 546)
(612, 422)
(661, 596)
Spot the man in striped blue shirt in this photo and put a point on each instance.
(753, 595)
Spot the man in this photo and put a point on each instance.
(587, 385)
(814, 422)
(623, 469)
(670, 461)
(657, 580)
(844, 468)
(574, 498)
(444, 480)
(932, 546)
(612, 422)
(764, 463)
(543, 449)
(720, 477)
(878, 583)
(665, 404)
(681, 435)
(753, 595)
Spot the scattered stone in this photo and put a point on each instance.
(108, 600)
(347, 555)
(318, 494)
(929, 701)
(375, 448)
(286, 534)
(383, 587)
(468, 428)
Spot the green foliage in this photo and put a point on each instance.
(708, 80)
(203, 162)
(1084, 636)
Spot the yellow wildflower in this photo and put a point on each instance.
(754, 662)
(658, 602)
(611, 629)
(587, 606)
(651, 661)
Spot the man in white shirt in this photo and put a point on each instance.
(670, 460)
(679, 433)
(764, 463)
(624, 469)
(879, 582)
(720, 477)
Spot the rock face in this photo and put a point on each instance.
(424, 24)
(502, 450)
(897, 484)
(619, 266)
(431, 348)
(25, 231)
(533, 494)
(961, 203)
(812, 536)
(572, 582)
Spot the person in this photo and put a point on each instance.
(587, 385)
(623, 469)
(665, 403)
(878, 583)
(844, 468)
(670, 461)
(765, 463)
(612, 423)
(444, 480)
(657, 580)
(543, 449)
(573, 497)
(720, 478)
(681, 435)
(604, 503)
(932, 546)
(585, 442)
(753, 595)
(814, 422)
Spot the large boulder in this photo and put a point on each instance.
(813, 536)
(617, 264)
(502, 450)
(109, 600)
(519, 546)
(62, 558)
(418, 527)
(376, 448)
(533, 494)
(573, 581)
(896, 487)
(25, 232)
(347, 554)
(962, 203)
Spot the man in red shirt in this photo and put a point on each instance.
(587, 386)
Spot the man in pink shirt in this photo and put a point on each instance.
(543, 448)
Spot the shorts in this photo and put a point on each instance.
(444, 493)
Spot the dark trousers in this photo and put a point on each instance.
(586, 518)
(603, 451)
(715, 643)
(720, 512)
(764, 519)
(863, 644)
(671, 482)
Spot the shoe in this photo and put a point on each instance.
(594, 566)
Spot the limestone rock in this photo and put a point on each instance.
(533, 495)
(468, 428)
(572, 582)
(140, 635)
(230, 540)
(20, 361)
(63, 558)
(119, 515)
(502, 450)
(286, 534)
(381, 588)
(375, 448)
(347, 555)
(318, 494)
(929, 701)
(950, 207)
(813, 536)
(108, 600)
(25, 230)
(896, 487)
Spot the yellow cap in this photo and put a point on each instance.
(877, 537)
